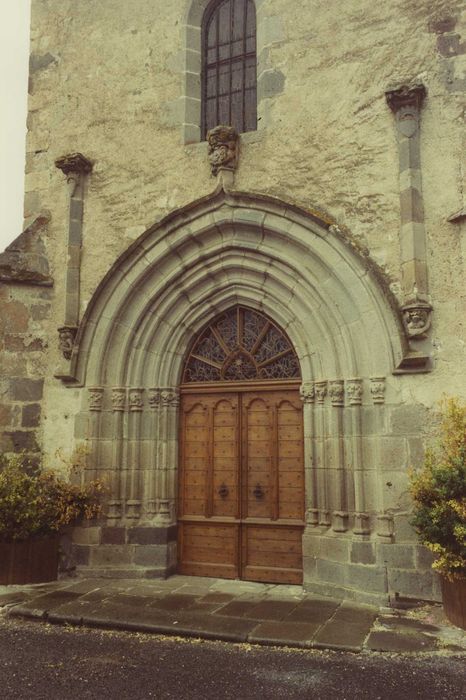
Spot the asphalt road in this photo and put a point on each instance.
(42, 661)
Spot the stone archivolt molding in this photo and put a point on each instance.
(352, 328)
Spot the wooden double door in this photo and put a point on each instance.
(241, 500)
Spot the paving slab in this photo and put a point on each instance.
(391, 641)
(347, 629)
(293, 634)
(238, 608)
(233, 611)
(314, 611)
(272, 609)
(173, 602)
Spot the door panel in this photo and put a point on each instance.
(242, 485)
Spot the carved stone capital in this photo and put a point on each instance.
(74, 163)
(417, 318)
(378, 389)
(135, 399)
(354, 388)
(170, 397)
(223, 148)
(321, 391)
(118, 398)
(307, 392)
(406, 96)
(154, 398)
(66, 338)
(337, 392)
(96, 398)
(405, 101)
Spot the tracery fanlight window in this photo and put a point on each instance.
(229, 74)
(240, 345)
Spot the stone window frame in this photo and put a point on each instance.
(192, 68)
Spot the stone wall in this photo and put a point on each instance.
(119, 83)
(25, 302)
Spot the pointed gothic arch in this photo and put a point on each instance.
(290, 265)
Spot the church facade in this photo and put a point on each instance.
(240, 288)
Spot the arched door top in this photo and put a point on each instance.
(240, 345)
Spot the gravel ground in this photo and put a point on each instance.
(45, 661)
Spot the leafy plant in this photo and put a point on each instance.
(439, 492)
(41, 503)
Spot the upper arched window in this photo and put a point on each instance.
(229, 70)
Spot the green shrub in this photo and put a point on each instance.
(439, 492)
(40, 504)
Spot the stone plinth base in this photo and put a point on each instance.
(125, 551)
(366, 568)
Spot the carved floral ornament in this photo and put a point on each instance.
(118, 398)
(223, 148)
(307, 392)
(337, 392)
(354, 389)
(335, 389)
(96, 398)
(135, 399)
(378, 389)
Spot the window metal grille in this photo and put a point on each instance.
(241, 344)
(229, 75)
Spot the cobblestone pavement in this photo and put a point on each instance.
(234, 611)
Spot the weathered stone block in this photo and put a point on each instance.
(151, 535)
(371, 579)
(408, 420)
(410, 583)
(335, 549)
(26, 389)
(23, 440)
(6, 415)
(31, 415)
(423, 557)
(362, 553)
(81, 554)
(111, 555)
(331, 572)
(396, 556)
(150, 555)
(86, 535)
(113, 535)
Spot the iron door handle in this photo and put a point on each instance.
(258, 492)
(223, 491)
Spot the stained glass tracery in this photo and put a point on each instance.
(241, 345)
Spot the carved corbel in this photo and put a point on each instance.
(66, 338)
(223, 151)
(417, 319)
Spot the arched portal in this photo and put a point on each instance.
(291, 266)
(241, 483)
